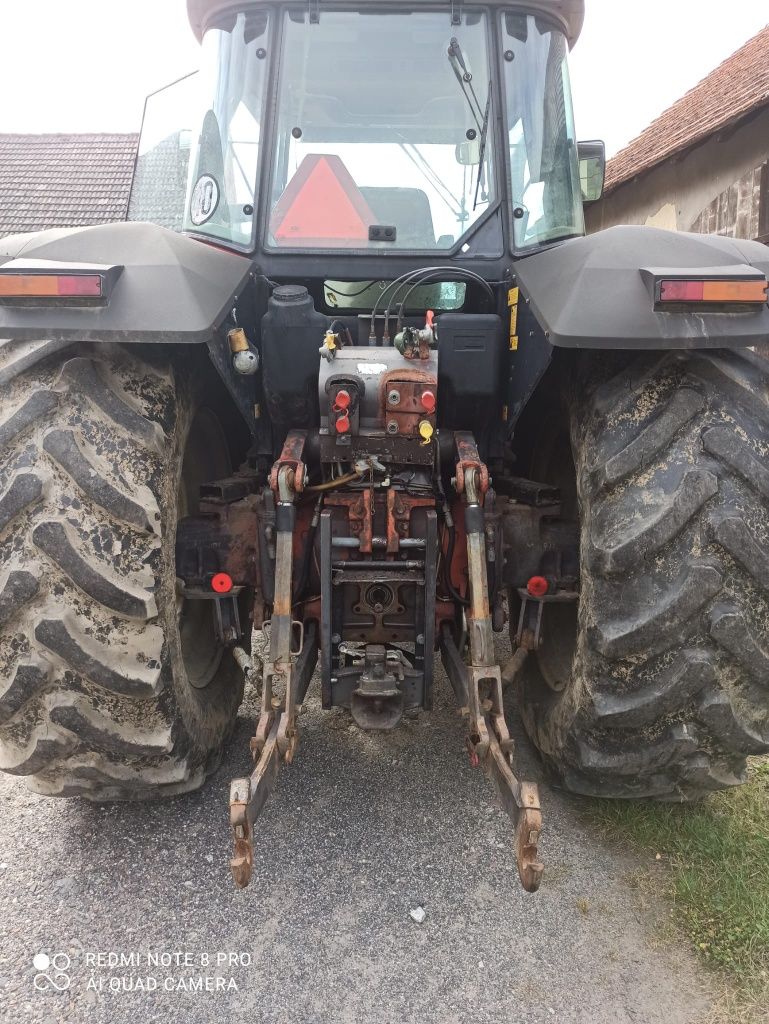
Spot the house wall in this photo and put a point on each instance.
(721, 186)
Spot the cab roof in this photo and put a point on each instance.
(570, 13)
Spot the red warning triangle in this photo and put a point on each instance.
(322, 206)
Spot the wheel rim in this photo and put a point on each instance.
(206, 458)
(555, 658)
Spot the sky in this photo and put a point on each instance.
(86, 65)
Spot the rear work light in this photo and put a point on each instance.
(45, 282)
(714, 292)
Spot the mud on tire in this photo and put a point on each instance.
(670, 681)
(94, 696)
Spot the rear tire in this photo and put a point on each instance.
(99, 454)
(669, 686)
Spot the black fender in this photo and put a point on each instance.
(172, 289)
(598, 292)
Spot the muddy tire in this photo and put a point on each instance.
(101, 695)
(668, 688)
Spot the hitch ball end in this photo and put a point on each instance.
(246, 363)
(245, 359)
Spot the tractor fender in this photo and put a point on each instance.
(171, 290)
(598, 292)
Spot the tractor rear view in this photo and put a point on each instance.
(378, 399)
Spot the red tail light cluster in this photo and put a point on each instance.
(36, 286)
(52, 283)
(717, 292)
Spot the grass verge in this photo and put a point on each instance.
(717, 854)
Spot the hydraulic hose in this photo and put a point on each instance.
(329, 485)
(304, 573)
(439, 272)
(447, 569)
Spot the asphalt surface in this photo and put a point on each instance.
(362, 830)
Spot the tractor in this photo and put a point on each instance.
(351, 389)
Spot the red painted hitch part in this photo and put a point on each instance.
(342, 401)
(221, 583)
(537, 586)
(428, 402)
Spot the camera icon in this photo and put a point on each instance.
(52, 972)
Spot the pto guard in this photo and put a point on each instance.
(593, 292)
(172, 290)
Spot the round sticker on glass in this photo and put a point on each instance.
(205, 199)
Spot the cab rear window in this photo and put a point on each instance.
(443, 295)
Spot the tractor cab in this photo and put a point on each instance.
(381, 130)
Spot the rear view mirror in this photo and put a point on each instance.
(592, 170)
(469, 153)
(159, 187)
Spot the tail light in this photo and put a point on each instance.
(724, 291)
(45, 282)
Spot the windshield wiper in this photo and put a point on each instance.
(480, 116)
(481, 183)
(465, 79)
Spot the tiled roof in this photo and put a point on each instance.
(58, 181)
(160, 185)
(736, 88)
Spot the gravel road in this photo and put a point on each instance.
(363, 829)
